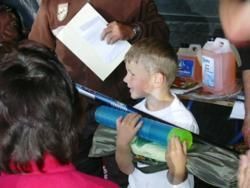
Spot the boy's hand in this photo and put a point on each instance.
(176, 157)
(127, 128)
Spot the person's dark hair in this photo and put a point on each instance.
(39, 108)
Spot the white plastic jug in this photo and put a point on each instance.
(218, 67)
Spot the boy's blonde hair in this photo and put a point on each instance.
(156, 56)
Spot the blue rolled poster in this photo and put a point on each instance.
(151, 130)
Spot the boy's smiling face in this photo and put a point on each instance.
(137, 79)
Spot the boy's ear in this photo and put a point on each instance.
(159, 79)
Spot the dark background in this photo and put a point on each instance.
(190, 21)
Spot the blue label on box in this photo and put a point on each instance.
(185, 68)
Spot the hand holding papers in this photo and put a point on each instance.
(82, 35)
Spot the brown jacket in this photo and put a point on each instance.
(142, 12)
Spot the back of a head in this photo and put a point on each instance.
(38, 105)
(156, 56)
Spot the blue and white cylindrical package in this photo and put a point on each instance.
(151, 130)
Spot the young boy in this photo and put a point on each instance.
(151, 69)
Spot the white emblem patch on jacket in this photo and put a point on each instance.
(62, 11)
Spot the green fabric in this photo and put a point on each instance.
(214, 165)
(103, 143)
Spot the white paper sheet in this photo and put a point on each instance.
(238, 111)
(82, 35)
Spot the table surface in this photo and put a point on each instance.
(212, 99)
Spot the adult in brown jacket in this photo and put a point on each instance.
(128, 20)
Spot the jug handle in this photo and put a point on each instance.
(194, 47)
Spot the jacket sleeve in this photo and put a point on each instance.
(40, 31)
(151, 22)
